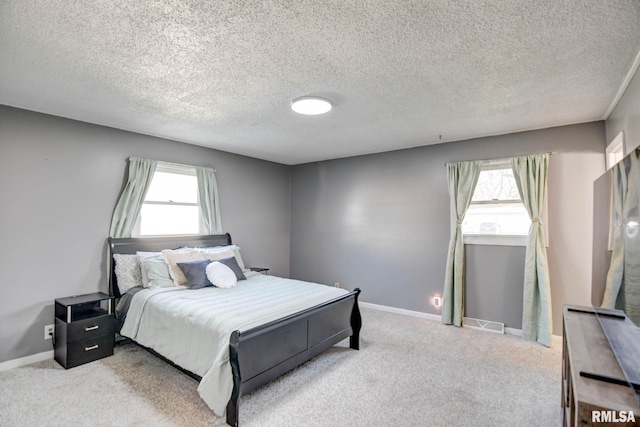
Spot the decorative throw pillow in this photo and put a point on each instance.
(156, 271)
(232, 263)
(127, 271)
(195, 272)
(173, 256)
(220, 275)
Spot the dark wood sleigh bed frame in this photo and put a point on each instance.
(261, 354)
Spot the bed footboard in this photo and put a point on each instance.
(262, 354)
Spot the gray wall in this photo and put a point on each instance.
(381, 222)
(59, 182)
(626, 115)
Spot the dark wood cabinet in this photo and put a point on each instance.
(85, 329)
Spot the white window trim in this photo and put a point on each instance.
(488, 165)
(617, 145)
(495, 239)
(504, 239)
(176, 168)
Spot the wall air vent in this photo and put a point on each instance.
(483, 325)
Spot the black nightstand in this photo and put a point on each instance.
(263, 270)
(85, 329)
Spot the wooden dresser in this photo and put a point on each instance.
(590, 394)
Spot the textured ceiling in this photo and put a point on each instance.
(400, 73)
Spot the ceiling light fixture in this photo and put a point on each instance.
(311, 105)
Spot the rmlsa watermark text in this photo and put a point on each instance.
(612, 417)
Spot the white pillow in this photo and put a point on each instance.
(220, 275)
(141, 257)
(236, 251)
(215, 256)
(156, 271)
(234, 248)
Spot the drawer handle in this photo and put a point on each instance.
(93, 347)
(91, 328)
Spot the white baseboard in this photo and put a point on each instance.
(513, 331)
(27, 360)
(401, 311)
(508, 331)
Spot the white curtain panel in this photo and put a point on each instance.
(209, 202)
(462, 178)
(530, 173)
(130, 202)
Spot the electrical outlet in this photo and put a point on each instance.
(437, 301)
(337, 284)
(49, 330)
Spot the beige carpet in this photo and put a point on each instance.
(409, 372)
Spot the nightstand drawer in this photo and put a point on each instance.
(91, 327)
(90, 349)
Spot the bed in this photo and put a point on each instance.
(266, 325)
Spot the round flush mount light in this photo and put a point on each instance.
(311, 105)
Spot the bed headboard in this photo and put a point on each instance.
(131, 245)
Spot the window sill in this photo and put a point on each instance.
(495, 239)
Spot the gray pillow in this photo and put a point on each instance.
(232, 263)
(195, 273)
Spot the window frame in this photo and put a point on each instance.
(616, 150)
(178, 169)
(501, 239)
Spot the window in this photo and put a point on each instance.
(171, 204)
(496, 215)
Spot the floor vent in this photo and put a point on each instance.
(484, 325)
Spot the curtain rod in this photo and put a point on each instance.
(176, 164)
(503, 159)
